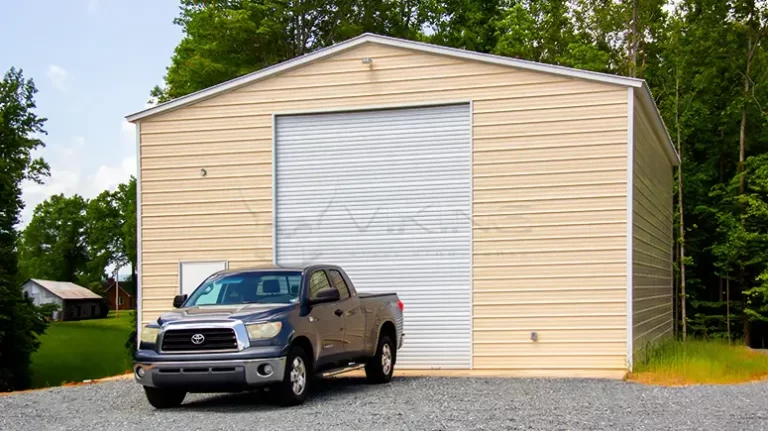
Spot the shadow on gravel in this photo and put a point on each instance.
(322, 390)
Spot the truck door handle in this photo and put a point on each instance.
(338, 312)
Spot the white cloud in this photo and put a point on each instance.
(108, 177)
(70, 176)
(59, 77)
(93, 6)
(128, 133)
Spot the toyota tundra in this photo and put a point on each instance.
(274, 327)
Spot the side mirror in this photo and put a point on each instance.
(326, 295)
(178, 300)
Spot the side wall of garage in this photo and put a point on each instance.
(549, 194)
(652, 272)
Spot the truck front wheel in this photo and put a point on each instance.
(295, 385)
(379, 369)
(164, 398)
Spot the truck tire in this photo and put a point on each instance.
(164, 398)
(379, 369)
(295, 385)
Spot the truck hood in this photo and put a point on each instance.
(208, 313)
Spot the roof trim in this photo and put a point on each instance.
(119, 287)
(648, 103)
(383, 40)
(37, 281)
(417, 46)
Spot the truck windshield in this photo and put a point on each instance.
(265, 287)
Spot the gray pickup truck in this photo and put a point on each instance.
(270, 327)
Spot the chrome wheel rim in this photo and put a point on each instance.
(298, 376)
(386, 359)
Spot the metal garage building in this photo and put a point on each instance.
(522, 211)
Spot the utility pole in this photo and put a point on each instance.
(117, 291)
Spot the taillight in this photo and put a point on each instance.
(400, 305)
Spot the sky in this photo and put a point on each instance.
(93, 63)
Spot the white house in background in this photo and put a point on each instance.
(75, 302)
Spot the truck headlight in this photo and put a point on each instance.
(149, 335)
(263, 330)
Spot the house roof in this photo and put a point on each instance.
(645, 93)
(65, 289)
(112, 284)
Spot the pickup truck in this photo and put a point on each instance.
(273, 327)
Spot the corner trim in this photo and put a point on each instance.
(471, 234)
(139, 287)
(630, 222)
(274, 188)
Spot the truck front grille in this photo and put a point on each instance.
(197, 340)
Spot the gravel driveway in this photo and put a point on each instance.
(408, 403)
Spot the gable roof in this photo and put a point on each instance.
(119, 286)
(65, 289)
(645, 92)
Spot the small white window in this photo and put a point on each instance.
(119, 300)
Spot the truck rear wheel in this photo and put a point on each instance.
(164, 398)
(379, 369)
(295, 385)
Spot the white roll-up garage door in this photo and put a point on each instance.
(386, 194)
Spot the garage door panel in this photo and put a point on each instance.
(555, 335)
(502, 260)
(533, 206)
(387, 195)
(597, 320)
(546, 361)
(537, 178)
(203, 195)
(516, 294)
(233, 170)
(546, 348)
(533, 308)
(260, 217)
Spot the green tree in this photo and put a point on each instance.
(111, 230)
(20, 129)
(53, 245)
(103, 236)
(467, 24)
(226, 39)
(742, 244)
(126, 204)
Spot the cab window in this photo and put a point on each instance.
(317, 282)
(339, 283)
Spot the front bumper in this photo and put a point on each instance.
(207, 375)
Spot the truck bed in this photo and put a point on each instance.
(362, 295)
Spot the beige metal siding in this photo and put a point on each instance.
(652, 273)
(549, 178)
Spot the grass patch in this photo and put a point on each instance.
(81, 350)
(700, 362)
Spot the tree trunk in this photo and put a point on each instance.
(680, 209)
(633, 42)
(743, 128)
(676, 296)
(745, 321)
(728, 308)
(742, 152)
(720, 291)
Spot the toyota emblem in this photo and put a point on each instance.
(198, 339)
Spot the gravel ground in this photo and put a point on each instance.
(408, 403)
